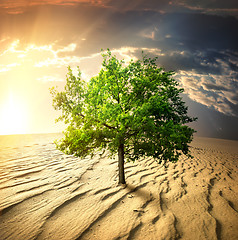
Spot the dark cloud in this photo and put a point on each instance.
(200, 31)
(206, 4)
(139, 5)
(215, 7)
(101, 26)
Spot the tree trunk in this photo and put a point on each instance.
(121, 164)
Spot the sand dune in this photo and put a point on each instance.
(45, 194)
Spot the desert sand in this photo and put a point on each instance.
(45, 194)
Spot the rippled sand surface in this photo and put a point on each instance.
(45, 194)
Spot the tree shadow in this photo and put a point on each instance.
(146, 195)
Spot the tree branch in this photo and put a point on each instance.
(104, 124)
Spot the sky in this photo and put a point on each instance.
(39, 39)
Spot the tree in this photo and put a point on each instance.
(132, 110)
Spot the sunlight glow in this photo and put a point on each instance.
(13, 117)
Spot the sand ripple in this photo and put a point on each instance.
(45, 194)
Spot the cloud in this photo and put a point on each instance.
(216, 7)
(138, 5)
(20, 6)
(58, 61)
(149, 33)
(195, 31)
(214, 91)
(36, 53)
(17, 61)
(8, 67)
(104, 27)
(214, 87)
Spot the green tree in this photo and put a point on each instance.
(131, 110)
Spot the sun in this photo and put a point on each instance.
(13, 116)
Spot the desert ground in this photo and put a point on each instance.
(45, 194)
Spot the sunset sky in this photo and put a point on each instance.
(40, 38)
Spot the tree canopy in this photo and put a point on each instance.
(132, 110)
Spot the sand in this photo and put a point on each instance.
(45, 194)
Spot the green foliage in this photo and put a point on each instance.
(136, 105)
